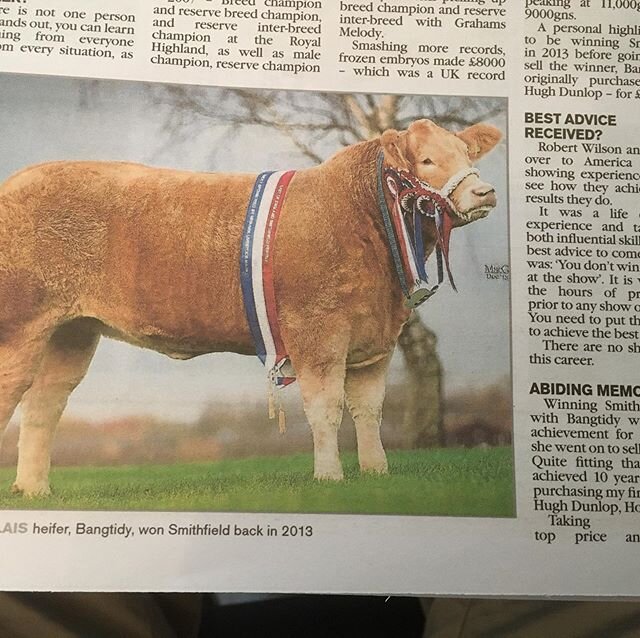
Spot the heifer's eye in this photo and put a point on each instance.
(427, 162)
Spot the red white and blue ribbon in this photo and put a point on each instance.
(256, 273)
(412, 252)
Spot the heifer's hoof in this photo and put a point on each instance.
(31, 491)
(370, 469)
(374, 463)
(329, 476)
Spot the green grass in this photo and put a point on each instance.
(447, 482)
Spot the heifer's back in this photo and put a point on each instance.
(148, 252)
(154, 254)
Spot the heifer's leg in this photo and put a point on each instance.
(65, 362)
(365, 394)
(19, 360)
(322, 388)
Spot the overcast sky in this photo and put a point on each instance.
(47, 119)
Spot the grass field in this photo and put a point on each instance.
(447, 482)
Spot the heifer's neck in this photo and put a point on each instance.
(358, 165)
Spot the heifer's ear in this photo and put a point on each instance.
(480, 139)
(395, 148)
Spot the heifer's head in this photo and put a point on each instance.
(435, 155)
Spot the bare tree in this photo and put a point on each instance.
(320, 123)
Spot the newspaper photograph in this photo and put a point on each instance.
(216, 289)
(286, 285)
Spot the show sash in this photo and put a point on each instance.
(257, 275)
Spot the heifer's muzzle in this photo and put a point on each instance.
(482, 194)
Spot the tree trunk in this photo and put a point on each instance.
(423, 424)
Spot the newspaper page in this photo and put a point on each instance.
(229, 229)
